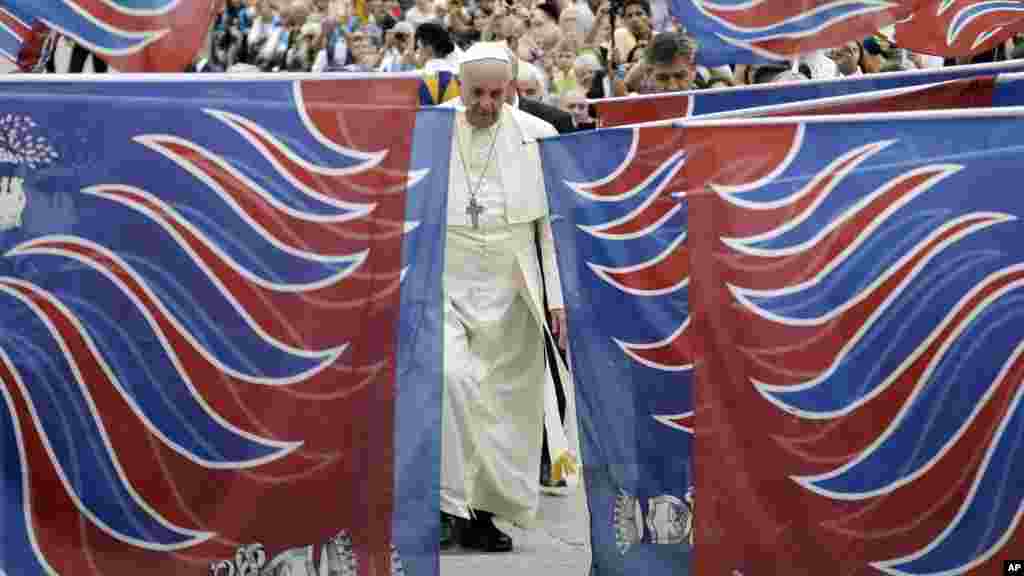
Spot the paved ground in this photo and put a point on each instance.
(560, 545)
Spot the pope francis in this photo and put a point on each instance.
(494, 360)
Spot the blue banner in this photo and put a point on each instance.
(623, 262)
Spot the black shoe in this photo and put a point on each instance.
(447, 531)
(545, 472)
(480, 533)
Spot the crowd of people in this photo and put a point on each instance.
(565, 47)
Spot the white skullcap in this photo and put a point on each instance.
(486, 51)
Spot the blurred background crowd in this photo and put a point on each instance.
(570, 51)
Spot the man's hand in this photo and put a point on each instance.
(560, 327)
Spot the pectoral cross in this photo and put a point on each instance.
(474, 209)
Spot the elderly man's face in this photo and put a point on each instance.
(584, 75)
(673, 77)
(529, 89)
(574, 103)
(483, 91)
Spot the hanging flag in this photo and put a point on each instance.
(130, 35)
(621, 201)
(653, 107)
(854, 297)
(953, 28)
(219, 327)
(744, 31)
(621, 248)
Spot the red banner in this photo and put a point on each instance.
(960, 27)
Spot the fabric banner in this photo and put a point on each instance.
(855, 293)
(130, 35)
(742, 31)
(621, 250)
(220, 326)
(960, 27)
(849, 313)
(654, 107)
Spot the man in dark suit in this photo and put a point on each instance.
(523, 96)
(561, 120)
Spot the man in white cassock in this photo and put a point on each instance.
(494, 359)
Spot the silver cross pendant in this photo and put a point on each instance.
(474, 210)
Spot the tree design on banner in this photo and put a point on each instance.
(19, 149)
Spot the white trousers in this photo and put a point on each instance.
(494, 369)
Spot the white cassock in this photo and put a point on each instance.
(494, 359)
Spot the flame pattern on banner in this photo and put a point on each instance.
(155, 409)
(845, 332)
(648, 218)
(777, 29)
(132, 35)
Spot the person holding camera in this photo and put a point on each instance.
(398, 49)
